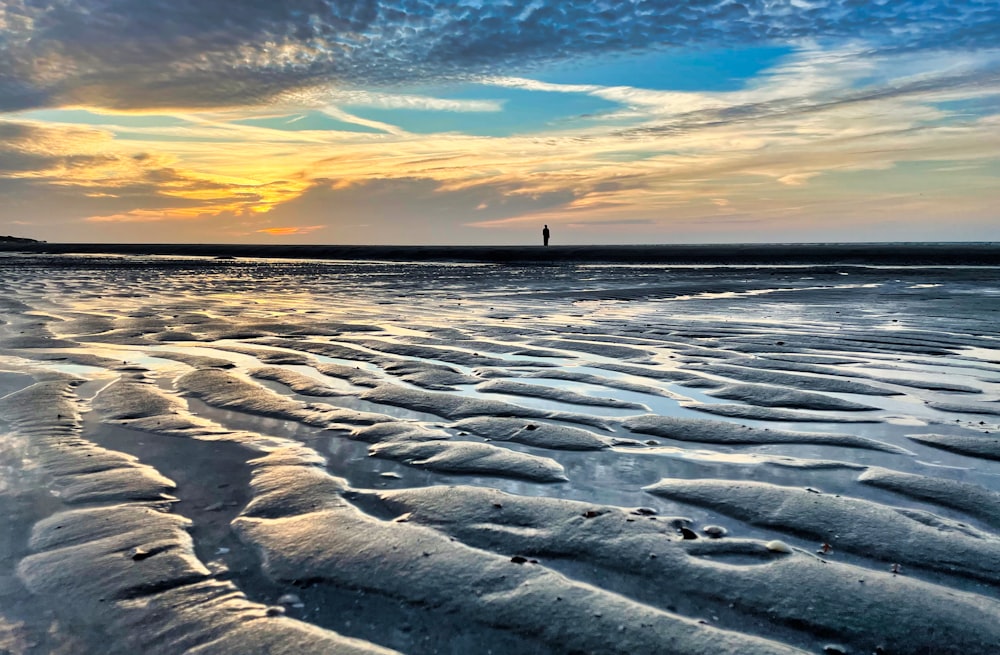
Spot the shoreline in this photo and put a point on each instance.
(901, 254)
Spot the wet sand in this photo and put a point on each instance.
(830, 254)
(600, 454)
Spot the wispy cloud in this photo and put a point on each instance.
(341, 115)
(414, 102)
(290, 230)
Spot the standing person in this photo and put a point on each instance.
(545, 235)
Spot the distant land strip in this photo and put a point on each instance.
(833, 254)
(10, 239)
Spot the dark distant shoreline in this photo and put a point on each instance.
(890, 254)
(11, 240)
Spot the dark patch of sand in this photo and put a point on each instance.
(514, 388)
(985, 446)
(537, 434)
(919, 539)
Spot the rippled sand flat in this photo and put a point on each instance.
(204, 455)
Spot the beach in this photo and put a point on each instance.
(685, 449)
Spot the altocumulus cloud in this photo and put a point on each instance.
(155, 54)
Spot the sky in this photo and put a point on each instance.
(472, 122)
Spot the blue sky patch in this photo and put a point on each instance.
(671, 70)
(523, 112)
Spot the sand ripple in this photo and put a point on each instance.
(245, 456)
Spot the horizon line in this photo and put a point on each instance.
(973, 253)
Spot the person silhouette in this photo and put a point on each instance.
(545, 235)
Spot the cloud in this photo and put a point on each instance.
(132, 216)
(55, 176)
(658, 159)
(37, 149)
(414, 102)
(407, 210)
(796, 179)
(612, 223)
(812, 81)
(145, 54)
(817, 110)
(342, 115)
(290, 230)
(55, 211)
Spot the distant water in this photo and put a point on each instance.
(889, 254)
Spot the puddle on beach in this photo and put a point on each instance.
(473, 380)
